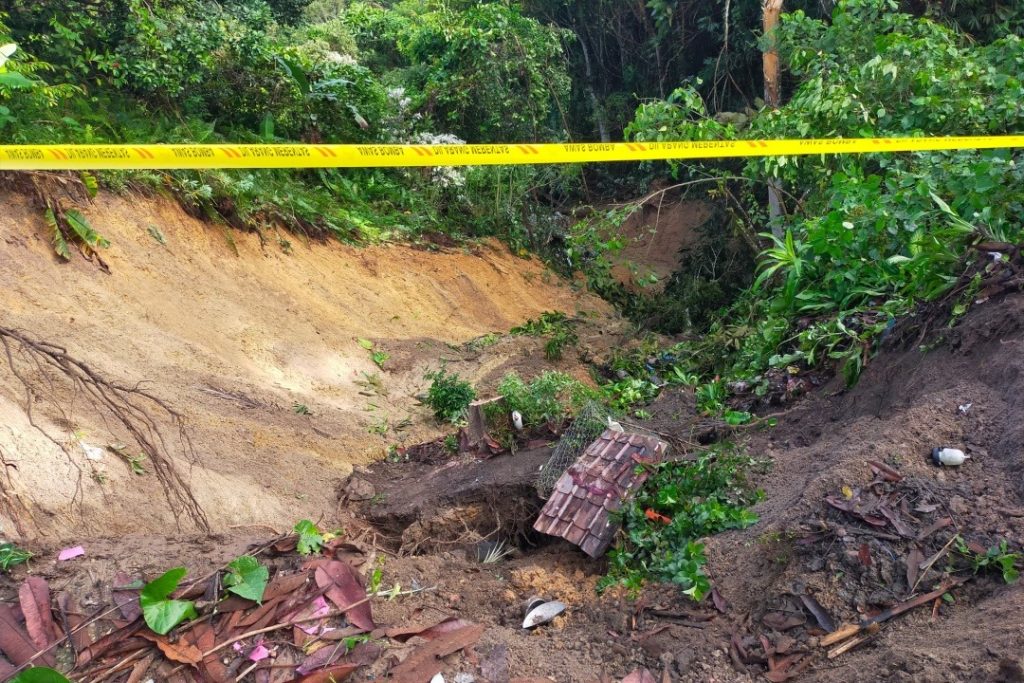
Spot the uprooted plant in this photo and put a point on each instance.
(49, 372)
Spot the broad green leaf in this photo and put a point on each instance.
(60, 245)
(296, 73)
(310, 538)
(160, 613)
(366, 344)
(81, 227)
(942, 205)
(247, 578)
(91, 184)
(40, 674)
(267, 128)
(737, 417)
(13, 79)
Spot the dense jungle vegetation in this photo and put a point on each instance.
(861, 240)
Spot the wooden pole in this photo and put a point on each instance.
(771, 9)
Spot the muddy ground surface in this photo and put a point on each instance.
(235, 331)
(907, 402)
(833, 527)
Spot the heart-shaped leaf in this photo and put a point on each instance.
(247, 578)
(160, 613)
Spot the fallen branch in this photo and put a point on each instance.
(927, 565)
(850, 630)
(854, 642)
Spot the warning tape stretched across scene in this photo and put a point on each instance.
(98, 157)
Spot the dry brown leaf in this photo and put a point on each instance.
(344, 589)
(781, 621)
(34, 598)
(285, 585)
(914, 560)
(425, 662)
(181, 651)
(14, 640)
(335, 673)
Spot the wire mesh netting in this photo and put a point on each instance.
(589, 424)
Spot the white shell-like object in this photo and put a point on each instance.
(542, 614)
(517, 420)
(949, 457)
(92, 452)
(438, 678)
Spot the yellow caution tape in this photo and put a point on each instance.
(90, 157)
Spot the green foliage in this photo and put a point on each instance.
(247, 578)
(872, 236)
(39, 674)
(629, 392)
(547, 398)
(11, 555)
(483, 71)
(681, 503)
(711, 397)
(449, 395)
(288, 70)
(301, 409)
(998, 558)
(556, 326)
(379, 358)
(311, 539)
(160, 612)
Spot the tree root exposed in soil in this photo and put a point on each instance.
(41, 367)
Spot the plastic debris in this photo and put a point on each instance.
(259, 653)
(533, 603)
(963, 408)
(438, 678)
(517, 420)
(543, 613)
(91, 452)
(948, 457)
(70, 553)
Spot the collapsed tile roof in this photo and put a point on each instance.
(598, 483)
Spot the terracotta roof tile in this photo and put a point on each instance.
(595, 486)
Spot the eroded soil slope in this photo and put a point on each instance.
(235, 331)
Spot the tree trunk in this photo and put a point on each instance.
(772, 9)
(595, 103)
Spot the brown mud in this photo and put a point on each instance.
(424, 517)
(236, 332)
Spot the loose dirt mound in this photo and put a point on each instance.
(235, 331)
(906, 403)
(657, 234)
